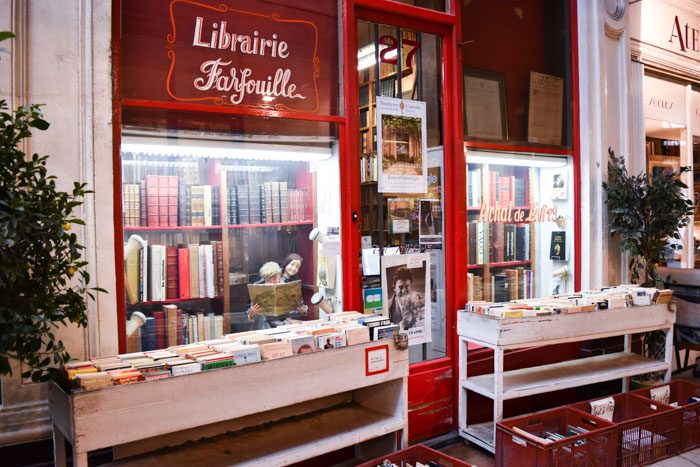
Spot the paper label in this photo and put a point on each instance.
(603, 408)
(661, 394)
(376, 360)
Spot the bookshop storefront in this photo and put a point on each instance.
(383, 161)
(368, 155)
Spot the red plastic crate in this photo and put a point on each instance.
(417, 453)
(689, 420)
(516, 446)
(646, 431)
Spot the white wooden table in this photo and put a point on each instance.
(328, 394)
(515, 333)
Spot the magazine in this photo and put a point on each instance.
(276, 299)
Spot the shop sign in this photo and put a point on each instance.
(664, 101)
(695, 117)
(226, 56)
(536, 213)
(662, 32)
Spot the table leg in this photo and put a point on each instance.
(667, 356)
(498, 389)
(59, 447)
(627, 347)
(80, 459)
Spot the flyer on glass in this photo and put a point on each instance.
(402, 146)
(406, 285)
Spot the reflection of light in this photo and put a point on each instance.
(220, 150)
(671, 125)
(268, 98)
(532, 160)
(365, 56)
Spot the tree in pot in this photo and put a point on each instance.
(645, 213)
(43, 280)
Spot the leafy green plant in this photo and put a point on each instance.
(43, 280)
(645, 213)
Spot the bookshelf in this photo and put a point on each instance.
(501, 253)
(197, 221)
(508, 334)
(311, 404)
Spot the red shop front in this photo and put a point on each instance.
(360, 135)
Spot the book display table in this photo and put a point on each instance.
(351, 396)
(517, 333)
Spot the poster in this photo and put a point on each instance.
(400, 214)
(372, 299)
(406, 289)
(559, 186)
(546, 108)
(430, 222)
(402, 146)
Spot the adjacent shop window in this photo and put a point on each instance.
(520, 225)
(669, 146)
(401, 159)
(518, 148)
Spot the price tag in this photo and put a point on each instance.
(376, 360)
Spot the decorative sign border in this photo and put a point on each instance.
(370, 350)
(218, 100)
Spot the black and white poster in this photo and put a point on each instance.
(406, 290)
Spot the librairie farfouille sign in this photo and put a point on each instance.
(251, 54)
(241, 58)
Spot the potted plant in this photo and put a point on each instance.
(43, 280)
(646, 213)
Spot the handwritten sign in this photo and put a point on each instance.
(232, 57)
(376, 360)
(536, 213)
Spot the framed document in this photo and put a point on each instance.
(485, 105)
(544, 121)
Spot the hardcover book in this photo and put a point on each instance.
(276, 299)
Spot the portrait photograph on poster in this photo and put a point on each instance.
(430, 216)
(559, 186)
(406, 285)
(401, 146)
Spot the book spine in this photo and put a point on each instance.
(207, 205)
(183, 268)
(152, 200)
(148, 335)
(215, 205)
(173, 203)
(143, 204)
(171, 323)
(220, 268)
(201, 266)
(160, 329)
(163, 201)
(188, 204)
(171, 273)
(181, 202)
(194, 270)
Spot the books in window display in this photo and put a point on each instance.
(131, 200)
(232, 205)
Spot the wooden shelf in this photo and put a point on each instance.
(279, 443)
(504, 264)
(517, 333)
(172, 228)
(177, 300)
(288, 410)
(481, 434)
(273, 224)
(563, 375)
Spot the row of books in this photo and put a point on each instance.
(159, 272)
(369, 170)
(506, 242)
(368, 140)
(268, 203)
(507, 284)
(339, 330)
(167, 201)
(494, 188)
(620, 296)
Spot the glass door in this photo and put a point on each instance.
(403, 164)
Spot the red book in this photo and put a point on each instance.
(152, 193)
(183, 268)
(171, 273)
(160, 329)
